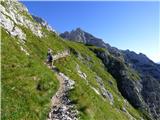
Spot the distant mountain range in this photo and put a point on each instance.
(148, 88)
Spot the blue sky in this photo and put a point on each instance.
(125, 25)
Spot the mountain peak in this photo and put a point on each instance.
(79, 29)
(79, 35)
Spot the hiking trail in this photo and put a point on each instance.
(61, 106)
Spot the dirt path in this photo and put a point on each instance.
(61, 106)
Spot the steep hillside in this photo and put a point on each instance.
(137, 77)
(29, 85)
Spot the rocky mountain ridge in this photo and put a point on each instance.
(137, 92)
(15, 14)
(79, 35)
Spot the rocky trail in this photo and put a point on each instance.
(61, 106)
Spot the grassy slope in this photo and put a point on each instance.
(22, 74)
(91, 105)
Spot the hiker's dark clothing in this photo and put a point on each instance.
(49, 57)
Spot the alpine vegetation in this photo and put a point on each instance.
(70, 76)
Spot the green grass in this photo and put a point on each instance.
(28, 85)
(21, 75)
(91, 105)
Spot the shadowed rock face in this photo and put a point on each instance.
(150, 75)
(143, 91)
(151, 95)
(128, 86)
(142, 64)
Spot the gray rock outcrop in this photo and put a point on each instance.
(9, 25)
(61, 55)
(43, 23)
(105, 93)
(13, 15)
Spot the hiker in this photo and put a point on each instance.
(50, 57)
